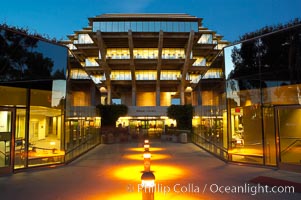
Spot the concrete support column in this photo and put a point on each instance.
(158, 94)
(182, 94)
(109, 93)
(134, 93)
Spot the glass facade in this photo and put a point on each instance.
(262, 91)
(33, 88)
(145, 26)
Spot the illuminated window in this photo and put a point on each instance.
(206, 39)
(145, 53)
(213, 73)
(84, 39)
(91, 62)
(78, 74)
(118, 53)
(173, 53)
(121, 75)
(146, 75)
(200, 61)
(170, 75)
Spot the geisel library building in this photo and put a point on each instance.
(246, 96)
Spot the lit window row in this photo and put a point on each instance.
(173, 53)
(91, 62)
(194, 78)
(145, 26)
(97, 79)
(71, 46)
(118, 53)
(200, 61)
(146, 75)
(78, 74)
(121, 75)
(170, 75)
(220, 46)
(213, 73)
(206, 39)
(83, 39)
(146, 53)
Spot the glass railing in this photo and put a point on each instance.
(208, 145)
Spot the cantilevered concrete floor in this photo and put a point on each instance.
(112, 172)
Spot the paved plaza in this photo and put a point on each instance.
(113, 172)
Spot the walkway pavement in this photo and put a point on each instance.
(112, 172)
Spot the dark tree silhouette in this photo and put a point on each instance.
(19, 60)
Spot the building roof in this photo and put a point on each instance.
(145, 17)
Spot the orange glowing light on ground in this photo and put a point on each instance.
(141, 149)
(129, 172)
(158, 196)
(162, 172)
(153, 156)
(168, 172)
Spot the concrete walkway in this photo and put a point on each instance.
(112, 172)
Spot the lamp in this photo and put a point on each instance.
(146, 147)
(148, 185)
(146, 161)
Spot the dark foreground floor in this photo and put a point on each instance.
(112, 172)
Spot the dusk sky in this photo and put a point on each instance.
(230, 18)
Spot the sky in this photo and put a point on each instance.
(230, 18)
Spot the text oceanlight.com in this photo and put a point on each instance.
(214, 188)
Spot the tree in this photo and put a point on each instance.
(182, 114)
(110, 113)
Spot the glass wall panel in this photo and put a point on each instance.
(109, 26)
(127, 26)
(169, 27)
(270, 148)
(11, 96)
(29, 58)
(176, 26)
(139, 26)
(145, 26)
(115, 27)
(20, 139)
(103, 26)
(245, 135)
(289, 120)
(45, 129)
(194, 26)
(96, 26)
(157, 26)
(5, 138)
(152, 27)
(163, 25)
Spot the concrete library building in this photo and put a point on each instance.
(246, 96)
